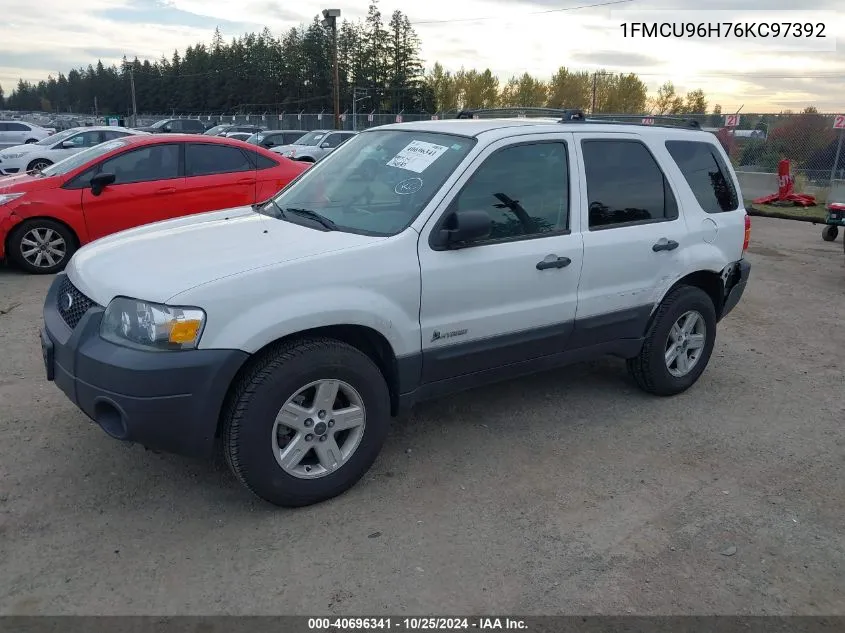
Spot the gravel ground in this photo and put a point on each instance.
(566, 492)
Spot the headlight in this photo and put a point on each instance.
(152, 325)
(5, 198)
(11, 156)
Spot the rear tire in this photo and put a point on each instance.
(29, 141)
(26, 241)
(38, 164)
(273, 422)
(655, 369)
(830, 232)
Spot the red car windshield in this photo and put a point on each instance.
(78, 160)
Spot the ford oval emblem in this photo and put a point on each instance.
(67, 301)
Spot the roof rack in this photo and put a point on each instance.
(571, 115)
(639, 119)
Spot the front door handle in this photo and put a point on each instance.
(245, 181)
(664, 245)
(166, 190)
(553, 261)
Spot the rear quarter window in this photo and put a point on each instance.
(261, 161)
(706, 174)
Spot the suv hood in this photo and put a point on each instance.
(158, 261)
(18, 149)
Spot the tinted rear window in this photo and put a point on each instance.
(706, 174)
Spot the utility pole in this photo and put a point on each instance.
(95, 107)
(132, 87)
(330, 17)
(595, 88)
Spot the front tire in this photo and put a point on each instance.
(41, 246)
(306, 421)
(678, 344)
(830, 232)
(30, 141)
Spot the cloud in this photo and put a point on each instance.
(615, 59)
(517, 39)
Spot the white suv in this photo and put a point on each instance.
(416, 260)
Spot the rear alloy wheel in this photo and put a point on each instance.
(38, 164)
(41, 246)
(678, 343)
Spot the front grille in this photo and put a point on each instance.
(71, 303)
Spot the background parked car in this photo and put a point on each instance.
(180, 126)
(274, 138)
(236, 129)
(239, 136)
(57, 147)
(230, 128)
(45, 216)
(218, 130)
(19, 133)
(314, 145)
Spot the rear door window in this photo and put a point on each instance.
(204, 159)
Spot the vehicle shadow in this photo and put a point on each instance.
(551, 403)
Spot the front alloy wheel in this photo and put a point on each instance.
(318, 429)
(41, 246)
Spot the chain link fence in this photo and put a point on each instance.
(305, 121)
(812, 142)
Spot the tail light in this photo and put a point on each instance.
(747, 233)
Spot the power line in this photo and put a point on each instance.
(510, 17)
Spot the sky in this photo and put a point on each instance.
(51, 36)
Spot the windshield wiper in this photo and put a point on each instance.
(313, 215)
(259, 208)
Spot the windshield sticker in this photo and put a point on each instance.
(409, 186)
(417, 156)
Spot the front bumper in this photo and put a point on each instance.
(735, 283)
(168, 401)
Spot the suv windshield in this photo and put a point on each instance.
(214, 131)
(256, 138)
(312, 138)
(161, 123)
(374, 184)
(57, 138)
(77, 160)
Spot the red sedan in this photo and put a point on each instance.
(45, 216)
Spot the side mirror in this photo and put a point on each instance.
(100, 182)
(462, 228)
(325, 145)
(68, 145)
(167, 128)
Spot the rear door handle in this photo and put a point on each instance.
(664, 245)
(553, 261)
(166, 190)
